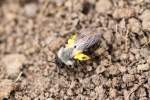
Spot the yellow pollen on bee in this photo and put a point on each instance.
(79, 55)
(71, 41)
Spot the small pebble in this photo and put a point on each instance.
(143, 67)
(144, 52)
(113, 70)
(6, 86)
(69, 92)
(13, 63)
(113, 93)
(31, 9)
(102, 6)
(55, 44)
(128, 78)
(123, 13)
(145, 17)
(134, 25)
(108, 36)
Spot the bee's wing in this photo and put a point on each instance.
(87, 41)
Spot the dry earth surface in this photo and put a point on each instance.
(32, 31)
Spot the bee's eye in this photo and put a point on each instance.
(75, 46)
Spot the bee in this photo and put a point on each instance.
(76, 47)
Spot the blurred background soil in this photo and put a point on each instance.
(32, 31)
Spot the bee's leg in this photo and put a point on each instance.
(59, 65)
(76, 64)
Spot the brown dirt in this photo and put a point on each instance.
(32, 31)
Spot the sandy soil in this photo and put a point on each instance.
(32, 31)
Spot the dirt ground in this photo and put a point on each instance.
(32, 31)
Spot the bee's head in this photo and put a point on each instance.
(64, 55)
